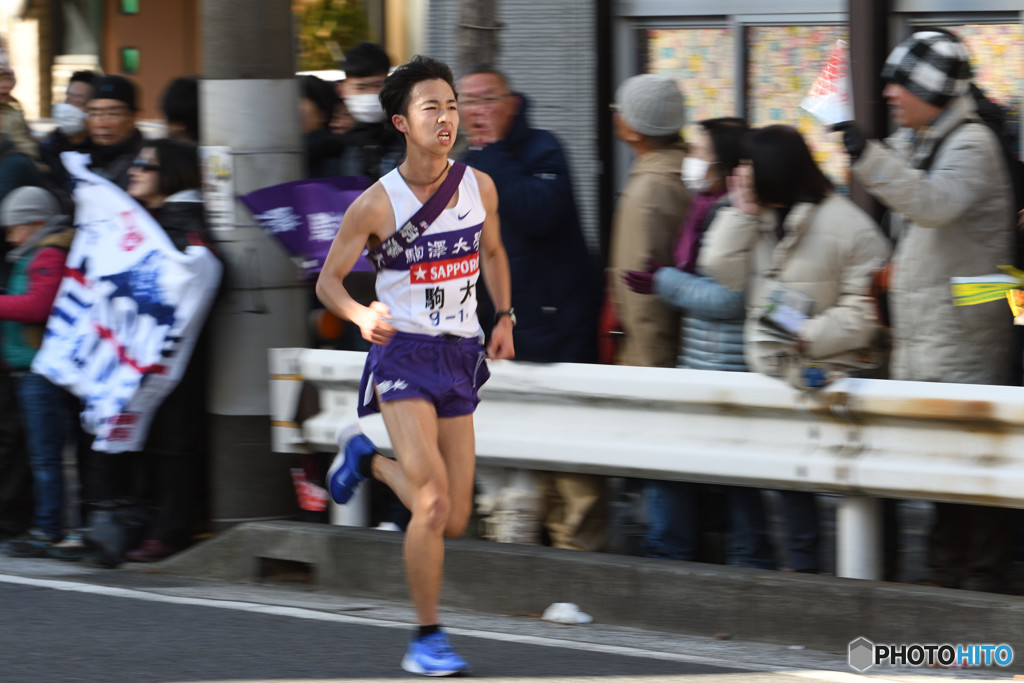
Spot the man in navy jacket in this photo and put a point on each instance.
(556, 286)
(555, 283)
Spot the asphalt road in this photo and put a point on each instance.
(69, 622)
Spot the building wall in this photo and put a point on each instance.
(167, 37)
(548, 51)
(406, 34)
(28, 39)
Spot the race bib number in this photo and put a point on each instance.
(444, 292)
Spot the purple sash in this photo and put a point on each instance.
(388, 251)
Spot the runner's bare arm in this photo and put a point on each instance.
(495, 270)
(368, 219)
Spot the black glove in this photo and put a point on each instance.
(853, 139)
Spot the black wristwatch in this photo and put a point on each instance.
(511, 313)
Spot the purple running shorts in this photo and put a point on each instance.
(447, 371)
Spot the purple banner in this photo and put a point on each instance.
(304, 216)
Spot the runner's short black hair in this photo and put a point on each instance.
(394, 96)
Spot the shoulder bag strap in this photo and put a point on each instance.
(388, 251)
(926, 165)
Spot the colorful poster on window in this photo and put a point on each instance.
(703, 61)
(783, 65)
(997, 57)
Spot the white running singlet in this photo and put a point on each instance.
(431, 288)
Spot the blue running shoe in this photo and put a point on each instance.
(433, 655)
(344, 476)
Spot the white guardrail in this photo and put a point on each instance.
(863, 439)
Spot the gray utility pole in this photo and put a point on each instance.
(478, 33)
(250, 140)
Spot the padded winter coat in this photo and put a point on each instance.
(556, 285)
(649, 212)
(828, 252)
(954, 220)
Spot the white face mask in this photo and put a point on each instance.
(695, 174)
(365, 108)
(69, 118)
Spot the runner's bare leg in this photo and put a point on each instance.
(460, 460)
(458, 448)
(436, 488)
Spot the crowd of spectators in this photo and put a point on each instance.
(160, 487)
(707, 234)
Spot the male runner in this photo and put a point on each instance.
(426, 363)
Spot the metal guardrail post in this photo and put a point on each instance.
(285, 386)
(356, 512)
(859, 538)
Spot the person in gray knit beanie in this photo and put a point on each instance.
(36, 212)
(649, 115)
(650, 209)
(40, 237)
(651, 105)
(27, 204)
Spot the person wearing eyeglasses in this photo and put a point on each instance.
(556, 286)
(115, 139)
(166, 477)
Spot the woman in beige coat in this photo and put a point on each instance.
(787, 231)
(649, 212)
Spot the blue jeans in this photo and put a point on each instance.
(673, 516)
(749, 540)
(800, 521)
(672, 519)
(44, 414)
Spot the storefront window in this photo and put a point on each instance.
(783, 64)
(997, 57)
(703, 61)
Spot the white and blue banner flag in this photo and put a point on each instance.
(128, 312)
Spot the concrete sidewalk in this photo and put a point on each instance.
(820, 612)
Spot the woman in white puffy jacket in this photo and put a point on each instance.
(788, 231)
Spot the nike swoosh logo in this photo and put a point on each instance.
(464, 215)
